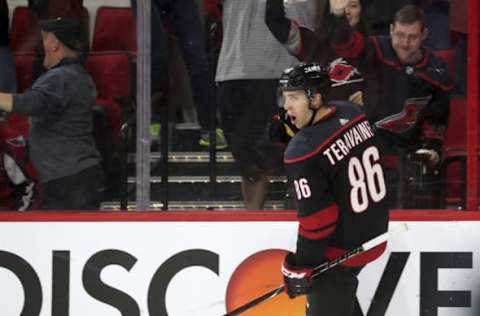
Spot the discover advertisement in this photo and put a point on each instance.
(182, 268)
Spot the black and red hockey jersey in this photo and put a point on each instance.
(391, 86)
(339, 185)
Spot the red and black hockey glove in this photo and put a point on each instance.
(281, 129)
(296, 278)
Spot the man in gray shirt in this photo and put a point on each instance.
(59, 106)
(250, 63)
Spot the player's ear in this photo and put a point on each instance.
(317, 100)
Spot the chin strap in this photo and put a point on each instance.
(314, 111)
(310, 96)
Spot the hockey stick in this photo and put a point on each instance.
(323, 267)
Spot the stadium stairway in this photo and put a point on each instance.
(189, 182)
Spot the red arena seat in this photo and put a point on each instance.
(24, 68)
(22, 33)
(115, 30)
(111, 72)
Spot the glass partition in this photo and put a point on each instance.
(246, 174)
(187, 116)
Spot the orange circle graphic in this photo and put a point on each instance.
(257, 275)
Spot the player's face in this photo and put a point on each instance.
(407, 41)
(353, 12)
(296, 105)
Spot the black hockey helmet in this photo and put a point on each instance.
(311, 78)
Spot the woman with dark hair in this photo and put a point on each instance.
(317, 44)
(313, 45)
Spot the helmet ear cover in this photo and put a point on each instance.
(311, 93)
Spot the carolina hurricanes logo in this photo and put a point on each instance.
(342, 73)
(403, 121)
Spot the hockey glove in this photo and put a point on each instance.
(296, 278)
(281, 129)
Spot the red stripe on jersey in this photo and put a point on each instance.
(332, 253)
(435, 82)
(317, 234)
(380, 56)
(319, 224)
(327, 141)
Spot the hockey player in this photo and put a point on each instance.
(334, 166)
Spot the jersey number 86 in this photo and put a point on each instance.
(366, 179)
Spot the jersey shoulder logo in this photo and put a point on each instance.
(405, 120)
(341, 73)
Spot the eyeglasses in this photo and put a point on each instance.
(406, 37)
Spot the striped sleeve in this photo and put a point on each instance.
(317, 210)
(320, 224)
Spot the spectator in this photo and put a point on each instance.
(406, 97)
(213, 22)
(251, 60)
(16, 187)
(302, 12)
(183, 19)
(314, 45)
(8, 81)
(60, 104)
(48, 9)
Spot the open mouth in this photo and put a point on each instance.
(292, 119)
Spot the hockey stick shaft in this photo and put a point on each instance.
(322, 268)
